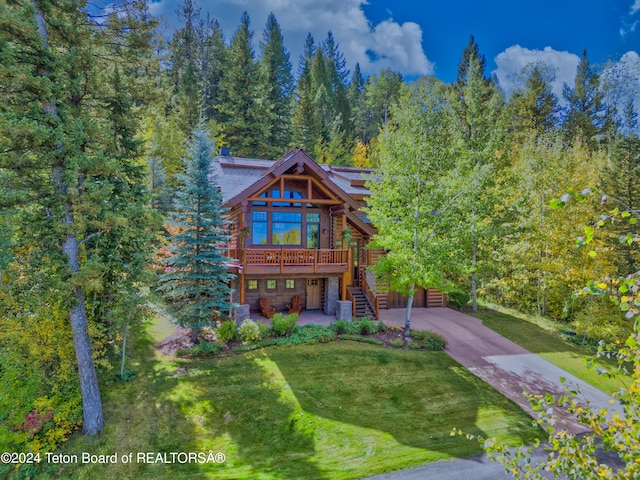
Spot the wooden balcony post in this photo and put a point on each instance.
(343, 295)
(281, 259)
(315, 261)
(241, 280)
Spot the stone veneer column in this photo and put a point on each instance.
(344, 310)
(242, 313)
(331, 295)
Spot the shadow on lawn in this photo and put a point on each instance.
(246, 405)
(417, 397)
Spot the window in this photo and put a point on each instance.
(289, 283)
(272, 284)
(313, 230)
(261, 204)
(289, 194)
(259, 228)
(286, 228)
(252, 285)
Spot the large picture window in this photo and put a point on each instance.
(259, 230)
(286, 228)
(282, 219)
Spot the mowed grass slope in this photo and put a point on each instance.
(541, 336)
(326, 411)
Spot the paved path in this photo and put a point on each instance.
(506, 366)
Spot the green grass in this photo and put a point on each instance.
(330, 411)
(542, 336)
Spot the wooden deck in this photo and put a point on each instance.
(291, 261)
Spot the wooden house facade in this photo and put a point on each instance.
(298, 229)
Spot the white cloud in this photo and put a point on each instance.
(511, 62)
(386, 44)
(635, 7)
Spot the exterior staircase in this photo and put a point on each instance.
(363, 306)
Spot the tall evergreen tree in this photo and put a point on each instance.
(186, 49)
(470, 51)
(306, 125)
(337, 74)
(213, 66)
(534, 106)
(197, 284)
(277, 71)
(244, 103)
(380, 92)
(356, 87)
(585, 113)
(621, 180)
(67, 137)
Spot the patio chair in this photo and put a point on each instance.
(296, 304)
(267, 310)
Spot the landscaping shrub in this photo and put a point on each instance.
(396, 343)
(249, 331)
(457, 299)
(227, 331)
(381, 327)
(357, 338)
(304, 334)
(313, 334)
(205, 349)
(366, 327)
(429, 340)
(353, 327)
(264, 329)
(283, 325)
(340, 326)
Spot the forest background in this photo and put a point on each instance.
(96, 117)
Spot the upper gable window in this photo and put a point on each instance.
(261, 204)
(288, 194)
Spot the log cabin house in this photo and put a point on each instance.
(298, 229)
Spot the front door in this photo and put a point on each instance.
(313, 294)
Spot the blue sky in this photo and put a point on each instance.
(427, 37)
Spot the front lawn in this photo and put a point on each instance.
(337, 410)
(541, 336)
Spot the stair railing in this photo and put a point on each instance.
(370, 294)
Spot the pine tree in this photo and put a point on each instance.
(197, 283)
(213, 66)
(277, 71)
(621, 181)
(305, 122)
(356, 87)
(186, 49)
(337, 74)
(244, 103)
(534, 106)
(470, 51)
(70, 90)
(380, 92)
(585, 113)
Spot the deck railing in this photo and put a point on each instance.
(285, 257)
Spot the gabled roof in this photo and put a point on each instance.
(240, 178)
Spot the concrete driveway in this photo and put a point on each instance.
(507, 367)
